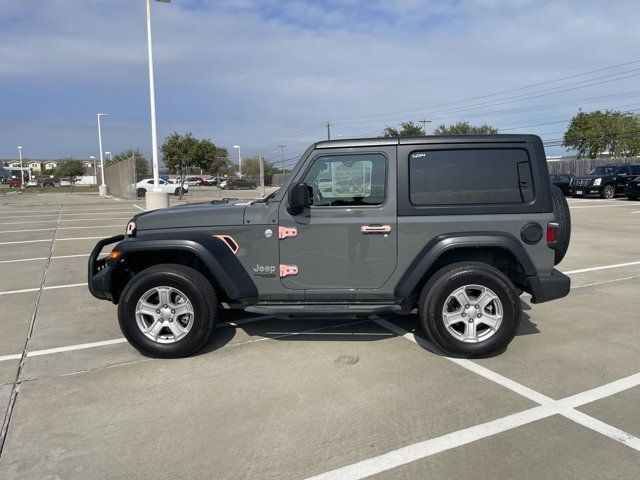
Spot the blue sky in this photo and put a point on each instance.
(262, 73)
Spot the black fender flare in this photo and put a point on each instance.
(445, 243)
(212, 251)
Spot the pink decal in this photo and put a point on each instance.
(284, 232)
(286, 270)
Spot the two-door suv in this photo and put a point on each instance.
(455, 226)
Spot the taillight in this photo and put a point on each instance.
(552, 234)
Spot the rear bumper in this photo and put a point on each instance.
(545, 288)
(100, 275)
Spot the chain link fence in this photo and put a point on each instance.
(120, 177)
(583, 166)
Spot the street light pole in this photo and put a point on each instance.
(157, 199)
(21, 170)
(103, 187)
(108, 154)
(239, 160)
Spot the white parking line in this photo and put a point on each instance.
(548, 407)
(115, 341)
(604, 267)
(143, 209)
(49, 240)
(53, 287)
(120, 225)
(93, 219)
(602, 206)
(54, 257)
(603, 282)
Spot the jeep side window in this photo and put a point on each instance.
(348, 180)
(470, 176)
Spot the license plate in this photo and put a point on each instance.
(578, 192)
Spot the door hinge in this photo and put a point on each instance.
(284, 232)
(286, 270)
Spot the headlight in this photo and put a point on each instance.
(131, 229)
(597, 182)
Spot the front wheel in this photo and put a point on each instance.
(168, 311)
(608, 192)
(142, 193)
(470, 308)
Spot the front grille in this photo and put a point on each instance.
(582, 182)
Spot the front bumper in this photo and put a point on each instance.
(588, 190)
(544, 288)
(100, 274)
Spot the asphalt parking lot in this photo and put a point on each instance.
(338, 399)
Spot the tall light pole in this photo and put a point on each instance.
(157, 199)
(239, 160)
(108, 154)
(103, 187)
(21, 171)
(95, 168)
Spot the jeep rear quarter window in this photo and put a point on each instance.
(470, 176)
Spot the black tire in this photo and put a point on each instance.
(177, 192)
(142, 193)
(253, 186)
(632, 197)
(194, 286)
(451, 277)
(576, 196)
(563, 219)
(608, 192)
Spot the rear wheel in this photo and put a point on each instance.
(142, 193)
(632, 197)
(168, 311)
(470, 309)
(563, 219)
(252, 186)
(608, 192)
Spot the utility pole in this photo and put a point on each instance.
(282, 158)
(424, 125)
(328, 125)
(261, 174)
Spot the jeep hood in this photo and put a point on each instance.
(192, 215)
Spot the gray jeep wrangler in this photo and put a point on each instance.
(455, 226)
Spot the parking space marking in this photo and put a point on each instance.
(143, 209)
(52, 258)
(602, 206)
(49, 240)
(69, 220)
(547, 408)
(52, 287)
(63, 228)
(603, 282)
(603, 267)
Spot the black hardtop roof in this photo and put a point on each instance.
(427, 139)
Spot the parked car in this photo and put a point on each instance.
(632, 189)
(146, 185)
(193, 181)
(14, 182)
(212, 181)
(32, 183)
(48, 182)
(410, 232)
(606, 181)
(562, 181)
(238, 184)
(65, 182)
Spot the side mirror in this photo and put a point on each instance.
(299, 198)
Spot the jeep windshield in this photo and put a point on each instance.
(603, 171)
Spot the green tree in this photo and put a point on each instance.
(251, 168)
(142, 166)
(407, 129)
(70, 167)
(465, 128)
(181, 152)
(590, 134)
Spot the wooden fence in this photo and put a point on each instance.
(583, 166)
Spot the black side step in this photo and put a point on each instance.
(321, 310)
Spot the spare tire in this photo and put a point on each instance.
(563, 219)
